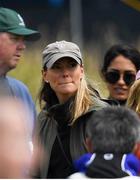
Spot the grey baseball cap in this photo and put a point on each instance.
(60, 49)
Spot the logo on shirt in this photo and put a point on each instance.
(108, 156)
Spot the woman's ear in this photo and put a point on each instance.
(89, 145)
(44, 75)
(82, 71)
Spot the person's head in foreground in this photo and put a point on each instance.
(15, 149)
(113, 134)
(113, 130)
(121, 63)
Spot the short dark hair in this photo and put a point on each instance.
(127, 51)
(113, 129)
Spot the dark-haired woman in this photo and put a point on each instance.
(121, 63)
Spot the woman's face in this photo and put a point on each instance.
(64, 77)
(125, 70)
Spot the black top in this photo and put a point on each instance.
(60, 161)
(107, 166)
(53, 120)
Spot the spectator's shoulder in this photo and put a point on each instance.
(98, 103)
(42, 116)
(111, 102)
(16, 82)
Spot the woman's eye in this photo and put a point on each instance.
(73, 64)
(68, 65)
(55, 66)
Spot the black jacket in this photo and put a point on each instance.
(47, 131)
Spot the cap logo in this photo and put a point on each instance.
(108, 156)
(21, 23)
(61, 46)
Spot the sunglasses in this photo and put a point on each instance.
(113, 76)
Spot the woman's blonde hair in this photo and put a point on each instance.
(82, 102)
(83, 99)
(133, 100)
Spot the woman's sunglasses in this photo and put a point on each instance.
(113, 76)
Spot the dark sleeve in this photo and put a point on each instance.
(35, 159)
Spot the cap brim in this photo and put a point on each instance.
(56, 57)
(27, 33)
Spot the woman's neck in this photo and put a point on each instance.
(64, 98)
(121, 102)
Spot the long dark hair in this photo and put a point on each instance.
(127, 51)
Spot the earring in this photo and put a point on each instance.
(47, 81)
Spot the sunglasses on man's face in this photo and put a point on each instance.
(113, 76)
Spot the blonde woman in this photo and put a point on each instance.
(133, 100)
(69, 103)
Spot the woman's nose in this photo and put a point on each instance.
(121, 79)
(65, 72)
